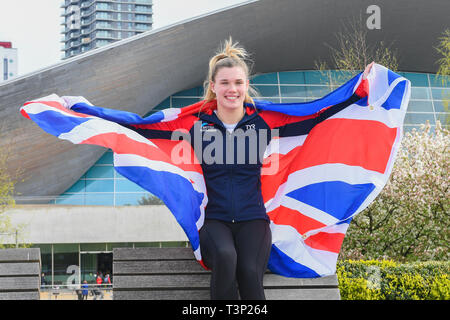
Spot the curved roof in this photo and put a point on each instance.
(136, 74)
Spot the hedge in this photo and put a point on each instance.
(389, 280)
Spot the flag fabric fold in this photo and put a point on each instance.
(323, 179)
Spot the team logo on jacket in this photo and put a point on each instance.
(207, 126)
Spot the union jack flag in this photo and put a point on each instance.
(323, 178)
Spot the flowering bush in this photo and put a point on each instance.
(409, 220)
(388, 280)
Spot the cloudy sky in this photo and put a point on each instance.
(34, 27)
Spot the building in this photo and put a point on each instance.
(8, 59)
(89, 24)
(86, 208)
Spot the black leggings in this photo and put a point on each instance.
(236, 252)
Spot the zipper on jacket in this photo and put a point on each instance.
(229, 135)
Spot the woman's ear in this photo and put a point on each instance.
(211, 85)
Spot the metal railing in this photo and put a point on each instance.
(76, 292)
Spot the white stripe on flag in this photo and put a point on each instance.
(392, 118)
(290, 242)
(170, 114)
(284, 145)
(308, 210)
(95, 126)
(38, 107)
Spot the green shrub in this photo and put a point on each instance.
(388, 280)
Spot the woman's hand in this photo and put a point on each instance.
(367, 70)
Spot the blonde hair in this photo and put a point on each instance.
(229, 56)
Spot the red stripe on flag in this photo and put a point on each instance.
(57, 105)
(23, 112)
(326, 241)
(286, 216)
(277, 119)
(122, 144)
(272, 181)
(363, 143)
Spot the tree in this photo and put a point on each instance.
(150, 200)
(409, 220)
(444, 62)
(353, 53)
(6, 196)
(444, 69)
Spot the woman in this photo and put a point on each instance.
(235, 239)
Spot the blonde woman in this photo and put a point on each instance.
(235, 239)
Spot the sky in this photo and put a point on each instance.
(33, 26)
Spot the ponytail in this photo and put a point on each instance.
(230, 55)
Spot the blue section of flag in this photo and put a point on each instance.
(311, 107)
(336, 198)
(284, 265)
(118, 116)
(394, 101)
(55, 123)
(392, 76)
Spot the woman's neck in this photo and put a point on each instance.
(230, 116)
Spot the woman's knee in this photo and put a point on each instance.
(226, 255)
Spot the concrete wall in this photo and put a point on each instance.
(93, 224)
(138, 73)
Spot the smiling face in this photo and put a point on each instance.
(230, 86)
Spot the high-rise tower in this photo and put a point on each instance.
(90, 24)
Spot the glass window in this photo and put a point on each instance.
(163, 105)
(46, 262)
(78, 186)
(270, 78)
(99, 185)
(441, 106)
(316, 77)
(99, 199)
(66, 264)
(102, 171)
(111, 246)
(107, 158)
(317, 92)
(420, 93)
(267, 91)
(182, 102)
(127, 186)
(443, 118)
(130, 198)
(89, 262)
(295, 77)
(147, 244)
(441, 93)
(438, 81)
(293, 91)
(420, 106)
(293, 100)
(92, 246)
(141, 26)
(418, 118)
(72, 199)
(417, 79)
(194, 92)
